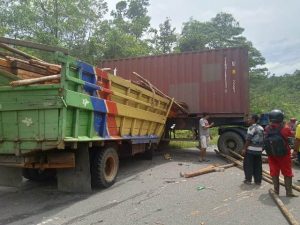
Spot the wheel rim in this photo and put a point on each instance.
(231, 144)
(110, 168)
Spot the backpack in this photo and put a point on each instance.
(274, 143)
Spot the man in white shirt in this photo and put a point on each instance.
(204, 136)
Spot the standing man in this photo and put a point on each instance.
(279, 151)
(204, 136)
(252, 151)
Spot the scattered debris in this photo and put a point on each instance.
(200, 187)
(169, 181)
(209, 169)
(195, 213)
(167, 156)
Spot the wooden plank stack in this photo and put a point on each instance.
(21, 65)
(28, 68)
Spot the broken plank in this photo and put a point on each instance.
(206, 170)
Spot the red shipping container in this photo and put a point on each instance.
(213, 81)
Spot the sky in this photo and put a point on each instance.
(273, 26)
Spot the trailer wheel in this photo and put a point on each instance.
(104, 167)
(230, 141)
(39, 175)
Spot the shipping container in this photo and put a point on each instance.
(213, 81)
(210, 81)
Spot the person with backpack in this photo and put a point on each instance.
(252, 151)
(279, 151)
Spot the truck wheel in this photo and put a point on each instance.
(230, 141)
(39, 175)
(104, 167)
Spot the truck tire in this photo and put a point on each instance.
(104, 167)
(230, 140)
(39, 175)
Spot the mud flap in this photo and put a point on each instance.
(77, 179)
(10, 176)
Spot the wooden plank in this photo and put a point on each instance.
(48, 66)
(290, 218)
(34, 80)
(209, 169)
(26, 74)
(28, 67)
(30, 44)
(18, 52)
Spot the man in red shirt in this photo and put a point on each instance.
(281, 163)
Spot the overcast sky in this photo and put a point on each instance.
(273, 26)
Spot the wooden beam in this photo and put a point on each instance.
(31, 68)
(30, 44)
(290, 218)
(18, 52)
(34, 80)
(206, 170)
(267, 173)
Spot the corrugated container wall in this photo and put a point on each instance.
(213, 81)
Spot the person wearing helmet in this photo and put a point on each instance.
(280, 162)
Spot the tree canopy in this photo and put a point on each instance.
(222, 31)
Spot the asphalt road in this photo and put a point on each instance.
(151, 192)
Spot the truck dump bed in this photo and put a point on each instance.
(87, 105)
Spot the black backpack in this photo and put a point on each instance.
(274, 143)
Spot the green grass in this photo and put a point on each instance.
(191, 144)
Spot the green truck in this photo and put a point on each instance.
(75, 129)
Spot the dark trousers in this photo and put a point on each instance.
(253, 167)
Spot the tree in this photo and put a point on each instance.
(225, 31)
(68, 23)
(193, 36)
(267, 93)
(131, 17)
(165, 39)
(124, 37)
(118, 44)
(222, 31)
